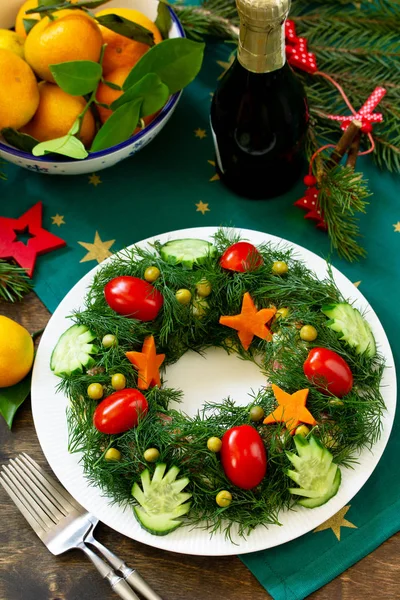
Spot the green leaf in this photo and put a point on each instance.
(68, 145)
(127, 28)
(176, 61)
(29, 24)
(151, 89)
(12, 397)
(112, 85)
(164, 19)
(77, 77)
(19, 140)
(119, 127)
(51, 5)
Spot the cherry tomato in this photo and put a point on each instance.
(241, 257)
(243, 456)
(329, 371)
(133, 297)
(120, 411)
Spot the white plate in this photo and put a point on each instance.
(50, 422)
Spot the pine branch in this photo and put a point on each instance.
(14, 282)
(342, 195)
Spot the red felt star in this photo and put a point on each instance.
(42, 241)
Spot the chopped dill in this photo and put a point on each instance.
(344, 427)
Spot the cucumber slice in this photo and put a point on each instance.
(187, 252)
(316, 475)
(354, 330)
(73, 350)
(161, 501)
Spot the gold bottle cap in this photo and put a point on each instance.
(262, 34)
(262, 12)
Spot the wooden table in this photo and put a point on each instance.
(29, 572)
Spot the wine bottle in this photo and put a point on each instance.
(259, 112)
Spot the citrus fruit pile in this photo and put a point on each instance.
(30, 99)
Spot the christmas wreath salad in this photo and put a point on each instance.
(229, 464)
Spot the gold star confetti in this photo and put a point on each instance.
(226, 65)
(58, 220)
(95, 180)
(200, 133)
(357, 283)
(396, 226)
(99, 250)
(201, 207)
(215, 177)
(336, 522)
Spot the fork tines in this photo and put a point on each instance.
(41, 500)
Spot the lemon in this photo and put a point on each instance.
(16, 352)
(9, 40)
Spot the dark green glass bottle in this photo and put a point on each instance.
(259, 113)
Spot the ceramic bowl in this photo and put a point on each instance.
(96, 161)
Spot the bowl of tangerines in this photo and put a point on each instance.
(86, 84)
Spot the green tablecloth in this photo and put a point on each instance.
(171, 184)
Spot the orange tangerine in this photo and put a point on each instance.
(107, 95)
(121, 51)
(28, 5)
(73, 35)
(16, 352)
(57, 113)
(19, 93)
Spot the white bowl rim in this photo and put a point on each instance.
(169, 106)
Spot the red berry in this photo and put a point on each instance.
(366, 128)
(309, 180)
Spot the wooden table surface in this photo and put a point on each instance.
(29, 572)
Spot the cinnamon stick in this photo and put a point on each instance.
(344, 143)
(352, 154)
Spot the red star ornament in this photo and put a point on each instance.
(42, 241)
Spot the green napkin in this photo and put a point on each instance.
(171, 184)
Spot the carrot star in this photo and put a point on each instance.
(148, 363)
(250, 322)
(291, 409)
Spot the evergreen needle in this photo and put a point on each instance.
(14, 282)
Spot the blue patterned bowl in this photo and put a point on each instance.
(96, 161)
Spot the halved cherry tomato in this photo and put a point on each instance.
(328, 371)
(243, 456)
(241, 257)
(120, 411)
(133, 297)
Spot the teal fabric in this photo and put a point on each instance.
(156, 191)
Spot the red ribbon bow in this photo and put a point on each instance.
(296, 50)
(365, 114)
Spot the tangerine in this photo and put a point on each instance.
(72, 35)
(28, 5)
(120, 50)
(57, 113)
(19, 93)
(106, 95)
(16, 352)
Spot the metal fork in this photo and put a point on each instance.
(63, 524)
